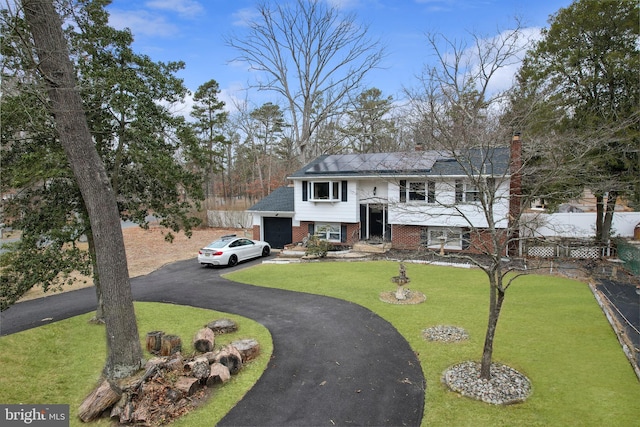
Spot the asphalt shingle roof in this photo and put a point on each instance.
(280, 200)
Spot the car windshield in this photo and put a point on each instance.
(219, 243)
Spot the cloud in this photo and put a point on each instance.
(505, 77)
(142, 23)
(243, 17)
(344, 4)
(185, 8)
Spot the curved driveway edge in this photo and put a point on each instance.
(333, 362)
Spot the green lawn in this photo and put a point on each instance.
(551, 329)
(61, 362)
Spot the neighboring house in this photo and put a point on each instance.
(412, 199)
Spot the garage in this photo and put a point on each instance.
(277, 231)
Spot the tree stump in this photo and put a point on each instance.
(218, 373)
(187, 385)
(171, 344)
(204, 340)
(248, 348)
(154, 341)
(230, 357)
(100, 399)
(222, 326)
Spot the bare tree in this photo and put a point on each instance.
(458, 111)
(123, 344)
(312, 56)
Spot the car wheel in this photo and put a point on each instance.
(233, 260)
(266, 251)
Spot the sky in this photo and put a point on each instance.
(193, 31)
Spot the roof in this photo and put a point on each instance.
(279, 200)
(492, 161)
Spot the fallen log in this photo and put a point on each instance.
(187, 385)
(230, 357)
(198, 368)
(218, 374)
(154, 341)
(174, 362)
(170, 344)
(204, 340)
(222, 326)
(100, 399)
(123, 410)
(248, 348)
(210, 356)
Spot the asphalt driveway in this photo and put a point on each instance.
(333, 363)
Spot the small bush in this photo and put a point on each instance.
(317, 247)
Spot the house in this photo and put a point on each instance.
(411, 199)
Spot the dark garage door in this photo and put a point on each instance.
(277, 231)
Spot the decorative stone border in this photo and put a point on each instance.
(445, 333)
(412, 297)
(506, 386)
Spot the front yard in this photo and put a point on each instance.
(551, 329)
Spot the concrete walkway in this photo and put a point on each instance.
(334, 362)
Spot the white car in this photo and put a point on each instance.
(230, 250)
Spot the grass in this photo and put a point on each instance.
(61, 362)
(551, 329)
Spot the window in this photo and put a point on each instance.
(466, 192)
(332, 191)
(435, 237)
(471, 193)
(328, 231)
(418, 191)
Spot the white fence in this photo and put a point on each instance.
(229, 219)
(576, 225)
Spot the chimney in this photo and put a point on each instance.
(515, 191)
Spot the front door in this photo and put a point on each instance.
(373, 221)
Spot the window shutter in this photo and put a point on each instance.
(459, 189)
(344, 191)
(305, 196)
(343, 231)
(466, 240)
(311, 229)
(403, 190)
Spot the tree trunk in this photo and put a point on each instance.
(99, 316)
(612, 198)
(495, 305)
(123, 345)
(599, 217)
